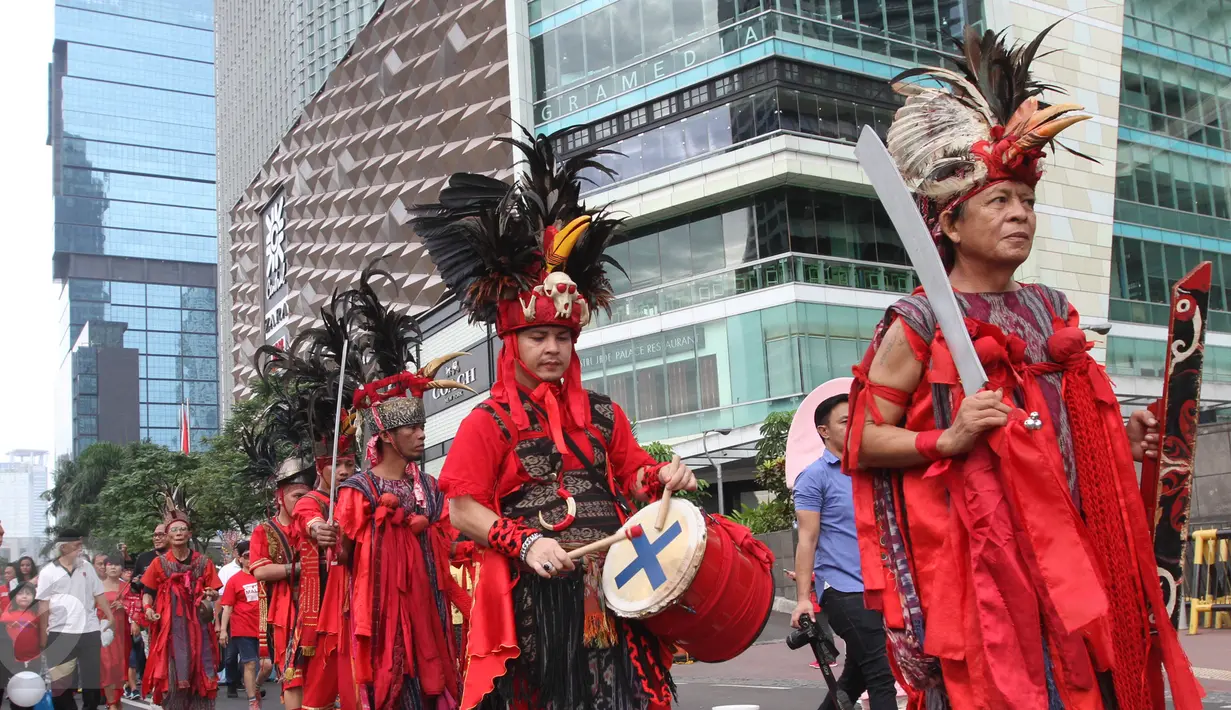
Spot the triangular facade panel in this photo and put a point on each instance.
(394, 120)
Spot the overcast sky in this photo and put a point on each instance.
(29, 354)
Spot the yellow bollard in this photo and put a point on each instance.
(1199, 602)
(1222, 616)
(1211, 548)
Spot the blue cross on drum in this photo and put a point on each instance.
(647, 557)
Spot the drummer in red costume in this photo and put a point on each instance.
(543, 466)
(391, 519)
(1010, 557)
(274, 551)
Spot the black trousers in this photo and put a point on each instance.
(867, 663)
(86, 650)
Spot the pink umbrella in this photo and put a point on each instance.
(803, 444)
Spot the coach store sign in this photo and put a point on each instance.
(473, 370)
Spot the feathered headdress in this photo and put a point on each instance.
(984, 125)
(175, 504)
(308, 373)
(266, 440)
(385, 342)
(525, 254)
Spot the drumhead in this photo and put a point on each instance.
(644, 576)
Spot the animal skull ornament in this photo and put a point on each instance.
(562, 291)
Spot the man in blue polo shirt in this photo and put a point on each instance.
(827, 540)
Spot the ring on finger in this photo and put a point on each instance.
(548, 568)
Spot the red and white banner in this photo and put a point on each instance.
(185, 429)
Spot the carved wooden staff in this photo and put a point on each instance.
(1166, 481)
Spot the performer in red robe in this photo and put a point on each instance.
(307, 378)
(323, 586)
(114, 667)
(1009, 553)
(274, 551)
(394, 532)
(543, 466)
(181, 668)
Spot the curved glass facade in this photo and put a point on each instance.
(762, 225)
(1173, 173)
(622, 46)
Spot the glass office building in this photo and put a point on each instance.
(132, 132)
(1173, 173)
(673, 83)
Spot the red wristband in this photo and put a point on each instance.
(653, 487)
(507, 536)
(925, 444)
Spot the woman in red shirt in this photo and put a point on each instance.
(21, 624)
(115, 655)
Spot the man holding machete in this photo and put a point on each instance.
(1009, 552)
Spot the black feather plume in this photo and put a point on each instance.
(385, 341)
(1001, 74)
(486, 237)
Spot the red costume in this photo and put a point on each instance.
(278, 544)
(180, 669)
(1019, 575)
(401, 628)
(551, 460)
(322, 598)
(511, 476)
(114, 666)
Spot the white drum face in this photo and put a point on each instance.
(645, 575)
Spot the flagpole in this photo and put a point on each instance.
(337, 424)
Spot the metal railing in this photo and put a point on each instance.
(756, 276)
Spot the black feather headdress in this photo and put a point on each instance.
(384, 349)
(525, 254)
(306, 378)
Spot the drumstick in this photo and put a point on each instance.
(599, 545)
(664, 507)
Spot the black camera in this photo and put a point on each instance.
(809, 632)
(819, 636)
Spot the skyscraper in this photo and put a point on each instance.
(1173, 181)
(273, 57)
(23, 478)
(132, 136)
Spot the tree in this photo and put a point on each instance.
(73, 500)
(132, 503)
(779, 512)
(663, 452)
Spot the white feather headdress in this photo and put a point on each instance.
(980, 124)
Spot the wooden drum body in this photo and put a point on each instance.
(690, 583)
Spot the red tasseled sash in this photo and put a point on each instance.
(310, 589)
(1112, 506)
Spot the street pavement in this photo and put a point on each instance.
(776, 678)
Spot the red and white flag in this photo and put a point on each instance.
(185, 429)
